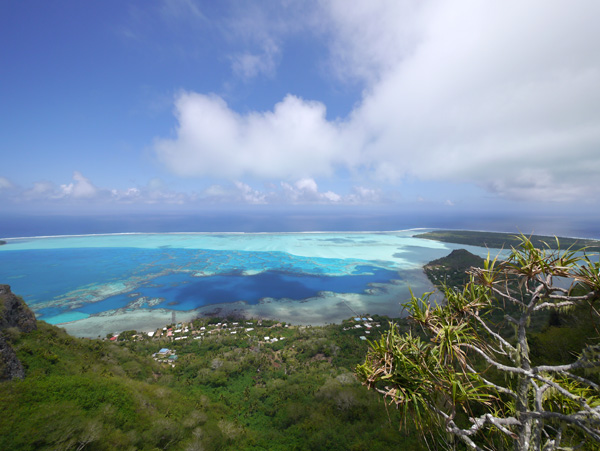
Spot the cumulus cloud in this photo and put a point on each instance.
(502, 95)
(301, 192)
(155, 192)
(306, 190)
(80, 188)
(293, 140)
(363, 195)
(82, 192)
(249, 195)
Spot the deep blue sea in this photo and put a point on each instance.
(586, 225)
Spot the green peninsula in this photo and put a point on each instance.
(498, 240)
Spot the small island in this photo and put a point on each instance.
(451, 270)
(498, 240)
(2, 242)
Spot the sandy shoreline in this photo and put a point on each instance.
(142, 320)
(327, 307)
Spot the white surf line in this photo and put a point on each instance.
(322, 232)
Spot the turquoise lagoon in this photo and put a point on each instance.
(302, 278)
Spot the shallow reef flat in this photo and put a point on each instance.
(90, 283)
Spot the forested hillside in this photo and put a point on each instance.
(224, 391)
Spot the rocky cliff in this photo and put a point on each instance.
(14, 313)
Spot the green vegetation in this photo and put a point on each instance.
(491, 390)
(253, 385)
(224, 391)
(505, 240)
(452, 269)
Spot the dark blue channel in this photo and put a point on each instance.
(185, 292)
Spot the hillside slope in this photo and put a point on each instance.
(224, 392)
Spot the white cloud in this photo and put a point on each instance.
(249, 195)
(503, 95)
(249, 65)
(307, 185)
(258, 31)
(363, 195)
(83, 193)
(180, 9)
(155, 192)
(306, 190)
(370, 37)
(80, 188)
(5, 184)
(490, 93)
(294, 140)
(215, 191)
(40, 190)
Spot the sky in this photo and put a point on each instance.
(185, 105)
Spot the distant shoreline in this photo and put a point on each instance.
(455, 236)
(503, 240)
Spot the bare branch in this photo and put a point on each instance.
(498, 365)
(579, 363)
(498, 422)
(585, 297)
(478, 423)
(577, 399)
(499, 388)
(574, 419)
(583, 380)
(510, 319)
(507, 296)
(454, 429)
(544, 305)
(497, 336)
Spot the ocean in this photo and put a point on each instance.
(327, 219)
(107, 273)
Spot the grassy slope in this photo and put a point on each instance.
(225, 392)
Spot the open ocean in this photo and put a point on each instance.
(270, 220)
(108, 267)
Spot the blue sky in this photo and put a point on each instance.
(187, 104)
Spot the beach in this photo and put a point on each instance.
(99, 284)
(326, 308)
